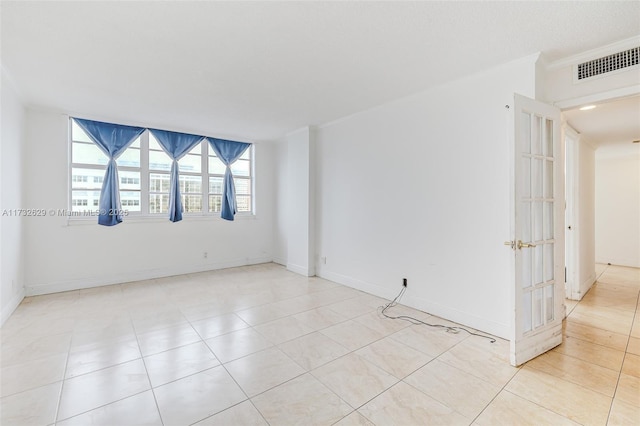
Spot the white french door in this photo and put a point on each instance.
(538, 230)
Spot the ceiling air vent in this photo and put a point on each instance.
(617, 61)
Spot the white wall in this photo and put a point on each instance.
(280, 239)
(586, 273)
(65, 257)
(301, 202)
(419, 189)
(617, 207)
(12, 116)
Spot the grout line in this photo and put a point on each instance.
(64, 374)
(624, 359)
(147, 371)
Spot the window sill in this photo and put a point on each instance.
(93, 220)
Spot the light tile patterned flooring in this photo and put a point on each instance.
(259, 345)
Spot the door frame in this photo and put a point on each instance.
(572, 192)
(572, 214)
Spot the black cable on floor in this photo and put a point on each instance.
(449, 329)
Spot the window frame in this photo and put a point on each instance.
(145, 172)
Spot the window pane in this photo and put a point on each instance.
(86, 178)
(548, 262)
(129, 158)
(527, 274)
(536, 135)
(549, 290)
(241, 168)
(130, 200)
(525, 214)
(77, 134)
(537, 220)
(246, 155)
(84, 200)
(153, 143)
(159, 160)
(135, 143)
(548, 179)
(547, 221)
(538, 300)
(244, 203)
(192, 203)
(243, 186)
(215, 203)
(526, 311)
(190, 163)
(190, 184)
(87, 154)
(526, 132)
(537, 264)
(548, 151)
(158, 182)
(536, 178)
(526, 177)
(158, 203)
(216, 167)
(215, 185)
(129, 180)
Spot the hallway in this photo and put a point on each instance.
(594, 376)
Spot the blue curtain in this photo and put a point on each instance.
(176, 145)
(113, 140)
(228, 152)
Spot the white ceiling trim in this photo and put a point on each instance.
(599, 52)
(609, 95)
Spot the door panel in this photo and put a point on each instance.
(537, 246)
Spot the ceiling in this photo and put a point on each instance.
(611, 126)
(254, 71)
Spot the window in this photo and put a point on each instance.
(241, 171)
(144, 171)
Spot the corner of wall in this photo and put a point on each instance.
(9, 308)
(300, 201)
(12, 119)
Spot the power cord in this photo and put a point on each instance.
(416, 321)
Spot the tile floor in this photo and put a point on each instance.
(262, 346)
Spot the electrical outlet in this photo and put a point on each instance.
(404, 282)
(205, 255)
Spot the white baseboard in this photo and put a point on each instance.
(631, 263)
(10, 307)
(148, 274)
(585, 286)
(445, 312)
(280, 261)
(358, 284)
(302, 270)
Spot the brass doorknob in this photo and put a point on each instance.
(525, 245)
